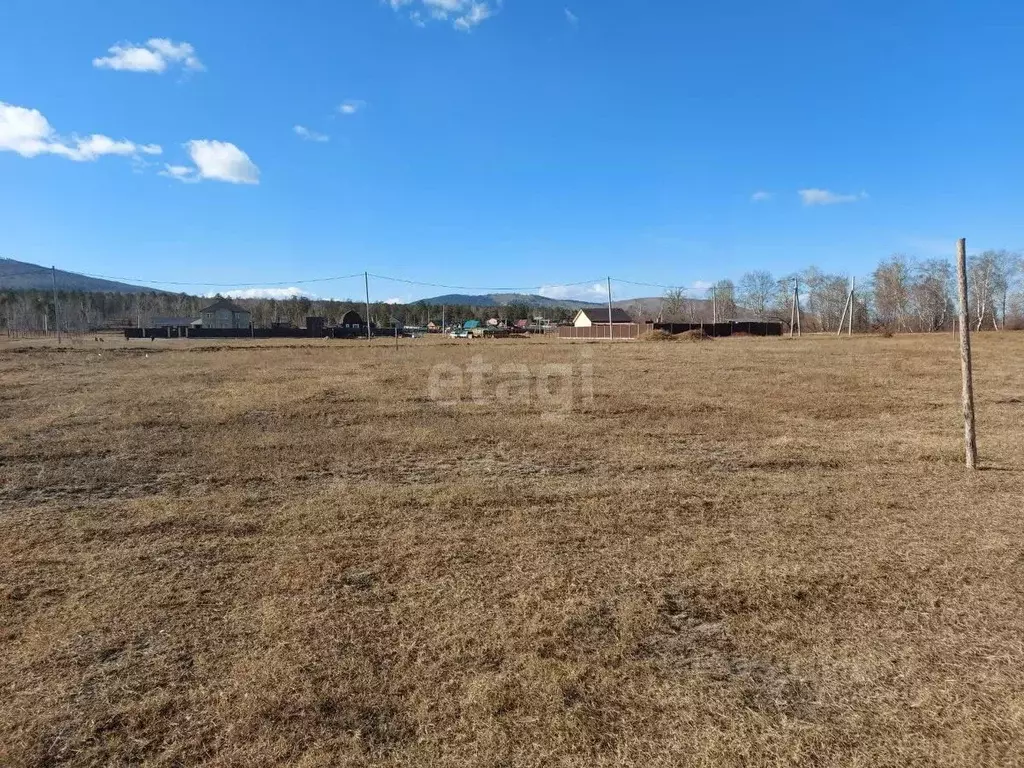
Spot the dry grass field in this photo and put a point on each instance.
(754, 552)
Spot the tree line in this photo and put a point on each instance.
(81, 311)
(902, 294)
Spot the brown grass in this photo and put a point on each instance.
(753, 552)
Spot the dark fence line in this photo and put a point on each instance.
(751, 328)
(598, 331)
(185, 332)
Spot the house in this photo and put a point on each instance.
(586, 318)
(351, 320)
(224, 313)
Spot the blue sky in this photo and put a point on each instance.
(514, 144)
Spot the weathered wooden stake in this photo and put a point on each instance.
(967, 401)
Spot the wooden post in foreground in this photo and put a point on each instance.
(970, 439)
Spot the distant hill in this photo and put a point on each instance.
(640, 308)
(23, 276)
(504, 299)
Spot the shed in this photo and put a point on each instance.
(599, 316)
(351, 319)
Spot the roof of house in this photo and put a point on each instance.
(471, 324)
(163, 322)
(220, 304)
(600, 315)
(522, 323)
(351, 316)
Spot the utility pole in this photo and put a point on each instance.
(796, 301)
(792, 312)
(443, 326)
(366, 282)
(853, 305)
(56, 308)
(967, 379)
(847, 308)
(714, 304)
(610, 336)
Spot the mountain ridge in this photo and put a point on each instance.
(25, 276)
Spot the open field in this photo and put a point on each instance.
(740, 552)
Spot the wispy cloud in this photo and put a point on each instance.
(463, 15)
(351, 106)
(181, 173)
(760, 196)
(572, 18)
(28, 133)
(825, 197)
(305, 133)
(156, 55)
(216, 161)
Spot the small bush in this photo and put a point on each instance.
(656, 336)
(697, 334)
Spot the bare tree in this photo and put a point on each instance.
(672, 304)
(930, 294)
(824, 297)
(755, 292)
(988, 274)
(891, 286)
(725, 297)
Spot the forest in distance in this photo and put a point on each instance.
(902, 294)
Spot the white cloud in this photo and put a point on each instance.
(305, 133)
(27, 132)
(156, 55)
(351, 106)
(825, 197)
(215, 160)
(395, 300)
(700, 286)
(264, 293)
(760, 196)
(463, 14)
(572, 18)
